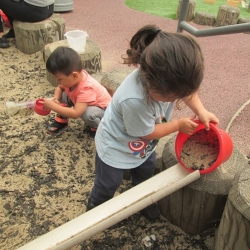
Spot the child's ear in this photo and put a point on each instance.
(75, 74)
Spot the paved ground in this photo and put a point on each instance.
(225, 88)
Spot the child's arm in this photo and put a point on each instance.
(195, 104)
(184, 124)
(58, 94)
(70, 112)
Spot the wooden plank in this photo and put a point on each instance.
(117, 209)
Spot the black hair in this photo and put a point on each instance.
(64, 60)
(170, 63)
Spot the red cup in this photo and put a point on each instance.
(39, 108)
(225, 147)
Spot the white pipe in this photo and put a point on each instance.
(115, 210)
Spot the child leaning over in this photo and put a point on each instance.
(81, 95)
(170, 68)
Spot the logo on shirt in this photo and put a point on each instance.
(142, 148)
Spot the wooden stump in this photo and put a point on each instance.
(112, 80)
(227, 15)
(32, 37)
(199, 205)
(233, 232)
(243, 20)
(91, 57)
(204, 18)
(191, 10)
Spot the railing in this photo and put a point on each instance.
(229, 29)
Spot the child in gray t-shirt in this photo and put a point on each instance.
(170, 68)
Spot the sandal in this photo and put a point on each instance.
(4, 43)
(59, 124)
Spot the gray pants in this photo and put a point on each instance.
(92, 115)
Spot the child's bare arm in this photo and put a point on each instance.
(58, 94)
(195, 104)
(70, 112)
(185, 125)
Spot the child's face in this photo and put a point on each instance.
(67, 81)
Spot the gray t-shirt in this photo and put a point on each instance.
(129, 116)
(40, 3)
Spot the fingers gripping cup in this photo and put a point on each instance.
(39, 108)
(204, 150)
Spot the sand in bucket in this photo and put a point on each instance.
(76, 40)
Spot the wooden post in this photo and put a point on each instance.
(112, 80)
(32, 37)
(233, 232)
(191, 10)
(204, 18)
(111, 212)
(199, 205)
(227, 15)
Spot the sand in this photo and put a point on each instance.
(45, 180)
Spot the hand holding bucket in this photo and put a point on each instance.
(225, 147)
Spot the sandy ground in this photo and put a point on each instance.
(45, 180)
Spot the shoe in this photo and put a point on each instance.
(151, 212)
(4, 43)
(90, 205)
(91, 132)
(55, 127)
(10, 34)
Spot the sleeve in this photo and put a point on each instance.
(138, 117)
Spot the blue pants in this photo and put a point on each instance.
(108, 178)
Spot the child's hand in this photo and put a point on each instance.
(187, 125)
(49, 103)
(205, 117)
(56, 100)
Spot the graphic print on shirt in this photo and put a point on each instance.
(142, 148)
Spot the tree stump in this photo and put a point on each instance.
(112, 80)
(243, 20)
(199, 205)
(204, 18)
(233, 232)
(191, 10)
(32, 37)
(91, 57)
(227, 15)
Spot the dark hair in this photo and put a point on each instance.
(170, 63)
(64, 60)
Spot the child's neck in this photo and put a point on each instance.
(73, 87)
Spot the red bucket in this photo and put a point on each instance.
(225, 147)
(39, 108)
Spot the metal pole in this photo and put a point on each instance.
(183, 13)
(223, 30)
